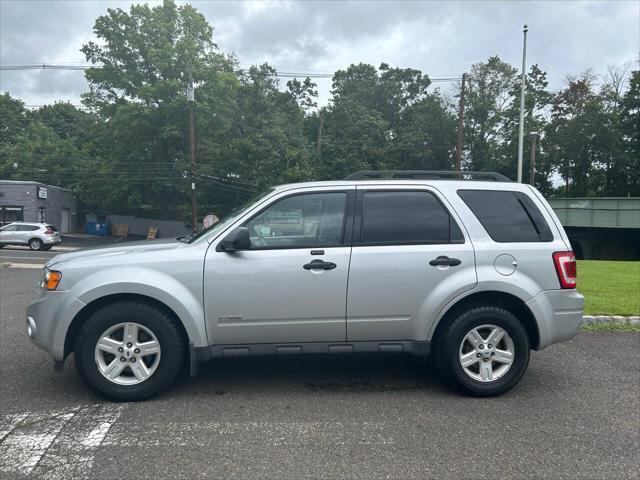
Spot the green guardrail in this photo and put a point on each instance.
(611, 212)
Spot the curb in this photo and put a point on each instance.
(591, 319)
(5, 264)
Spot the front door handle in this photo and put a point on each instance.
(319, 265)
(444, 260)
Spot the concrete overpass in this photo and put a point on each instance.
(604, 228)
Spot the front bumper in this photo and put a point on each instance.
(48, 320)
(558, 314)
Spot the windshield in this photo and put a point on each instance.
(226, 220)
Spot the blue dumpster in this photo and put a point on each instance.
(95, 228)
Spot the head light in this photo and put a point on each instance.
(51, 279)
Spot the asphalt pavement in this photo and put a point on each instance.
(576, 414)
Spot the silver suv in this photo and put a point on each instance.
(37, 236)
(472, 271)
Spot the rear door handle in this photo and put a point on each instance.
(319, 265)
(444, 260)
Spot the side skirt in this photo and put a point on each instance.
(202, 354)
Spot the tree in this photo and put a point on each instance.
(139, 92)
(267, 144)
(305, 93)
(13, 118)
(13, 121)
(39, 153)
(425, 136)
(630, 129)
(384, 118)
(572, 132)
(489, 100)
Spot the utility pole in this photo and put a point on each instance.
(532, 173)
(192, 148)
(522, 87)
(320, 132)
(460, 125)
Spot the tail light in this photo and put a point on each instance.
(48, 231)
(565, 263)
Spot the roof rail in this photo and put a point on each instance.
(426, 175)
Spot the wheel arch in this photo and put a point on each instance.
(98, 303)
(492, 298)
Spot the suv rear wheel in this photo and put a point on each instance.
(483, 352)
(129, 351)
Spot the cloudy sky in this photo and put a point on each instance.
(440, 38)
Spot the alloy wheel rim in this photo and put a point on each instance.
(127, 353)
(486, 353)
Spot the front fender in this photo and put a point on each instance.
(184, 302)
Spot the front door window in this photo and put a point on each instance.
(300, 221)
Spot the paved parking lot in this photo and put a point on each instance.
(576, 414)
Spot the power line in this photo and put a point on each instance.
(287, 73)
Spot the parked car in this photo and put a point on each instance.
(37, 236)
(473, 271)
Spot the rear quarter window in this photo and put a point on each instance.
(507, 216)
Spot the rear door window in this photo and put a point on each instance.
(406, 218)
(507, 216)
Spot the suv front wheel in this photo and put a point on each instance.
(483, 352)
(129, 351)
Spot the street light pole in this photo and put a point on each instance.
(532, 173)
(460, 125)
(522, 87)
(192, 149)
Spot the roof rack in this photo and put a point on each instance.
(426, 175)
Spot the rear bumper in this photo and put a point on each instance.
(51, 241)
(558, 314)
(48, 319)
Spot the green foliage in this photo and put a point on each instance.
(383, 118)
(13, 119)
(488, 100)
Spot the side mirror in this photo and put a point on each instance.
(237, 239)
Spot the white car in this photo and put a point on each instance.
(37, 236)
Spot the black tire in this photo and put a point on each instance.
(35, 244)
(172, 346)
(447, 351)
